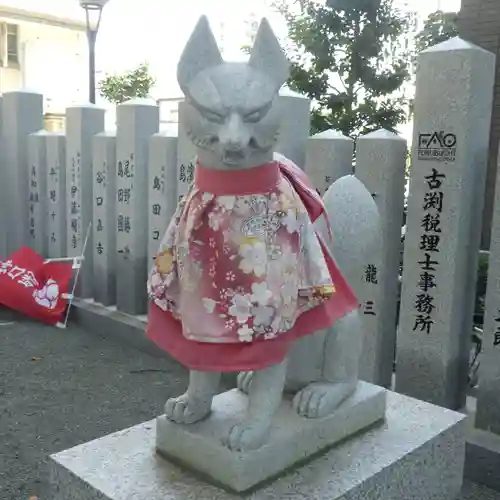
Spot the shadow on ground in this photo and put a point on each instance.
(60, 388)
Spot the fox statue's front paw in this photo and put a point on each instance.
(243, 381)
(322, 398)
(247, 436)
(186, 410)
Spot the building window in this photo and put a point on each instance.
(12, 43)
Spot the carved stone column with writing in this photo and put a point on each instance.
(380, 165)
(37, 206)
(162, 182)
(104, 217)
(56, 214)
(82, 123)
(483, 446)
(186, 157)
(137, 121)
(450, 146)
(488, 397)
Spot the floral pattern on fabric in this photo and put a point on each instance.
(237, 268)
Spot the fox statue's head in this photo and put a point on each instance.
(232, 113)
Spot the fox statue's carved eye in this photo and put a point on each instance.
(257, 115)
(213, 116)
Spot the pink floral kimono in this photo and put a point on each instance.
(241, 272)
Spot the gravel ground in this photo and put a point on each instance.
(473, 491)
(61, 388)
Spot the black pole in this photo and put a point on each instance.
(92, 35)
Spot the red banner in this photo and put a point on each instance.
(35, 288)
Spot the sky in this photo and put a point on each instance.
(152, 30)
(155, 31)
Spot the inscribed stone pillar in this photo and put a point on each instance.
(488, 391)
(162, 188)
(37, 205)
(104, 217)
(295, 126)
(137, 121)
(380, 165)
(328, 157)
(56, 214)
(82, 123)
(450, 145)
(23, 112)
(186, 156)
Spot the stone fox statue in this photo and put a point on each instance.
(243, 281)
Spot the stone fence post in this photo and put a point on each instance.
(56, 213)
(162, 189)
(329, 156)
(104, 218)
(452, 119)
(380, 165)
(82, 123)
(37, 206)
(186, 156)
(483, 447)
(22, 112)
(295, 126)
(137, 121)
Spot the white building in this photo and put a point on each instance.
(43, 52)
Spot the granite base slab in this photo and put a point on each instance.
(482, 458)
(417, 453)
(292, 438)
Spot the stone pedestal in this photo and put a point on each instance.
(417, 453)
(292, 439)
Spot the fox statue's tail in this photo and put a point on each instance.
(355, 224)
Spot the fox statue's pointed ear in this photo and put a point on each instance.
(268, 56)
(201, 52)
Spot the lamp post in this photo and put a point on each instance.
(93, 12)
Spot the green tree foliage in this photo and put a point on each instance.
(439, 27)
(349, 57)
(133, 84)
